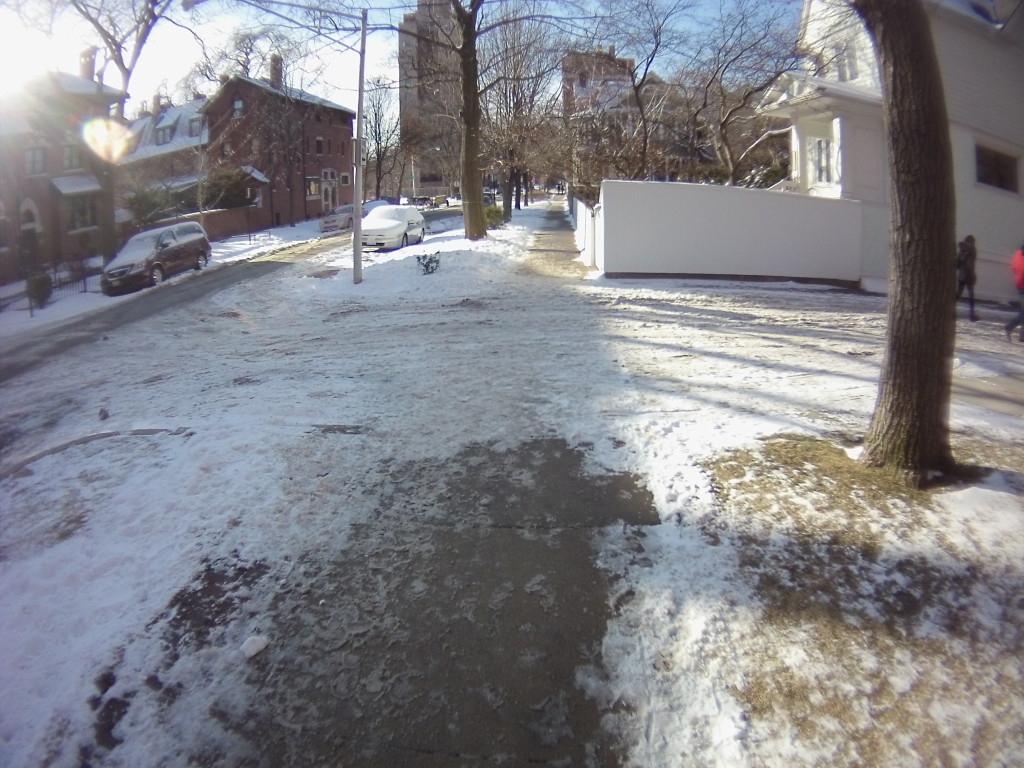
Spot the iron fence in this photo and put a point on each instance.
(64, 280)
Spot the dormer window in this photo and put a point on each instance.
(163, 135)
(195, 125)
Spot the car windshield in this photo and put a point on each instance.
(145, 240)
(391, 214)
(137, 248)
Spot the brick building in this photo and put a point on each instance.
(56, 187)
(297, 147)
(293, 150)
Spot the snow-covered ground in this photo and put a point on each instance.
(779, 616)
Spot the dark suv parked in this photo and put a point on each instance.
(150, 257)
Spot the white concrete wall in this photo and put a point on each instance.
(584, 222)
(667, 228)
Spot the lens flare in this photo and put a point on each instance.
(107, 138)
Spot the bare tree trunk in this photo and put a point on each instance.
(909, 431)
(472, 173)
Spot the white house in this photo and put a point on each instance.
(838, 136)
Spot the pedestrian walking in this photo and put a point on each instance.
(1018, 273)
(966, 258)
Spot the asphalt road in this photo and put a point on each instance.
(24, 351)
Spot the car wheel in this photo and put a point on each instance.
(405, 241)
(156, 276)
(422, 233)
(349, 225)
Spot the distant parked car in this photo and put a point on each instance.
(393, 226)
(490, 198)
(150, 257)
(337, 219)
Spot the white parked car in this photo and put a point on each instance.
(393, 226)
(337, 219)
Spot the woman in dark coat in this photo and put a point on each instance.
(966, 257)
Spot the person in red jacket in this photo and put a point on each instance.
(1018, 274)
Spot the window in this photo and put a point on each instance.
(225, 149)
(81, 212)
(343, 179)
(72, 157)
(33, 161)
(163, 135)
(819, 154)
(845, 59)
(997, 169)
(195, 125)
(237, 108)
(328, 146)
(312, 186)
(319, 145)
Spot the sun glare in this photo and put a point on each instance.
(26, 53)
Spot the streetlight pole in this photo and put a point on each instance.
(357, 218)
(357, 176)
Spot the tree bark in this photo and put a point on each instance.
(472, 171)
(909, 431)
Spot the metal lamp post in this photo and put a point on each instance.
(357, 213)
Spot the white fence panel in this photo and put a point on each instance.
(695, 229)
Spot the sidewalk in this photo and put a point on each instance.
(498, 514)
(555, 254)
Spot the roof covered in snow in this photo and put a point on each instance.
(294, 93)
(172, 129)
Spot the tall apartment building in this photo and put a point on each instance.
(429, 100)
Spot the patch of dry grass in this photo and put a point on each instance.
(881, 643)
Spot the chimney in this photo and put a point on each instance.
(223, 78)
(87, 63)
(611, 51)
(276, 71)
(156, 104)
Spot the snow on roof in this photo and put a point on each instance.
(79, 184)
(82, 86)
(258, 175)
(173, 130)
(295, 93)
